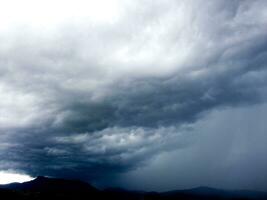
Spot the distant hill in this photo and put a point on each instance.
(212, 193)
(47, 188)
(42, 184)
(50, 188)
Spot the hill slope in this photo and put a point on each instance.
(50, 188)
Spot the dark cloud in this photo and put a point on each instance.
(93, 101)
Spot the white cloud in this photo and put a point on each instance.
(9, 177)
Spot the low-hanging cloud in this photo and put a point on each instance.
(88, 100)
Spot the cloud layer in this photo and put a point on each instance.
(88, 98)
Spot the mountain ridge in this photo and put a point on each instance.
(44, 188)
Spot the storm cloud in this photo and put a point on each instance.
(89, 99)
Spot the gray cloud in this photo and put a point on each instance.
(229, 154)
(91, 101)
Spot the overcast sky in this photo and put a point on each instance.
(143, 94)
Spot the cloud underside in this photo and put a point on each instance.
(88, 101)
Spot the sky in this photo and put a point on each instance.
(11, 177)
(147, 95)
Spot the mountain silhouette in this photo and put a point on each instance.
(53, 188)
(42, 183)
(214, 193)
(44, 188)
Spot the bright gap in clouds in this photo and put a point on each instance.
(8, 177)
(53, 12)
